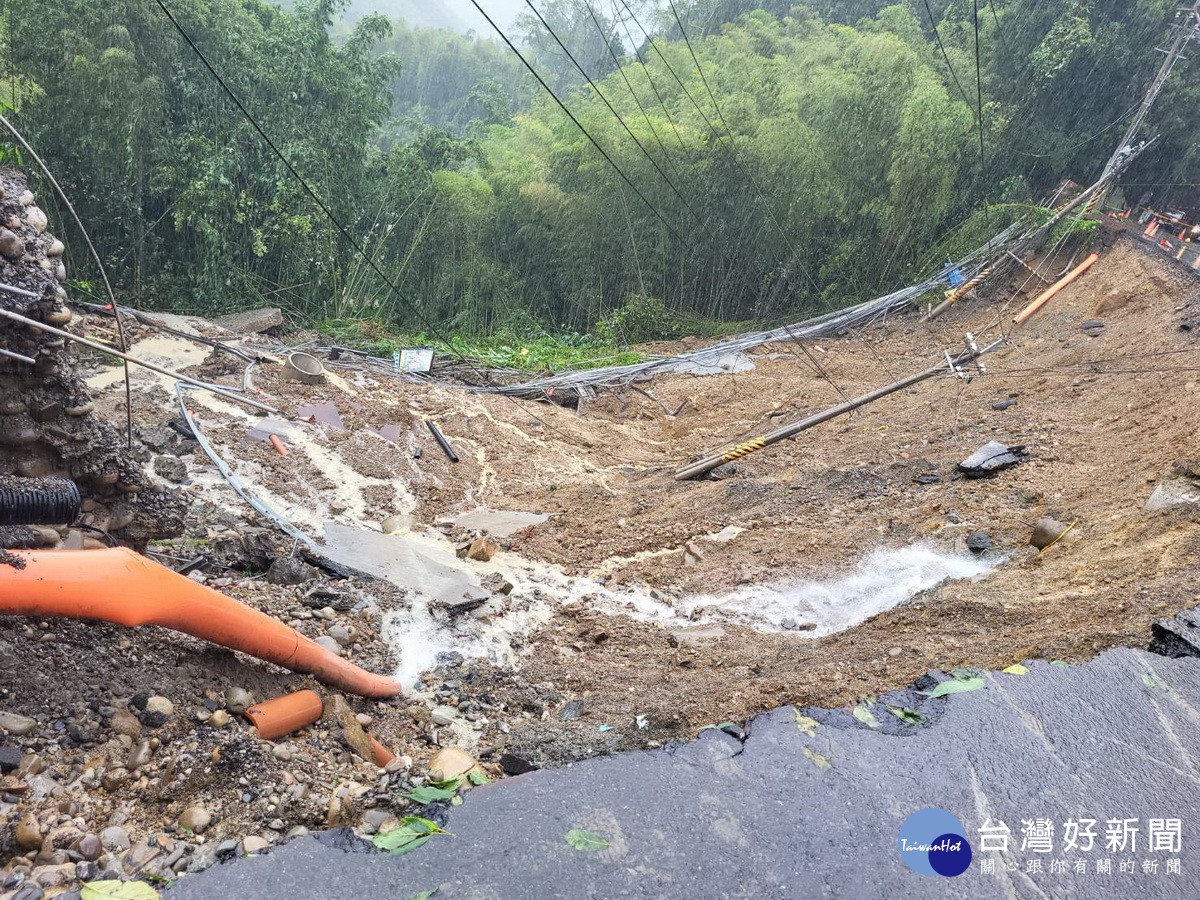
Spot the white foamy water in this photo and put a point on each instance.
(880, 581)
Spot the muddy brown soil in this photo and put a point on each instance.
(1105, 414)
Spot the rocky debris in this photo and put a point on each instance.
(16, 725)
(979, 542)
(1046, 532)
(1092, 327)
(482, 549)
(195, 819)
(11, 245)
(291, 570)
(452, 762)
(1002, 405)
(991, 458)
(48, 425)
(1177, 637)
(512, 764)
(353, 735)
(252, 321)
(238, 700)
(1182, 486)
(172, 468)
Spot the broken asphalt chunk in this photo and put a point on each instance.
(991, 458)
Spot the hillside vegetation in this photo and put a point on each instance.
(818, 155)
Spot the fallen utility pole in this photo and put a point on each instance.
(95, 345)
(708, 463)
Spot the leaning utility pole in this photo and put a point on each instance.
(1187, 28)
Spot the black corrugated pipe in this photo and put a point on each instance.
(38, 501)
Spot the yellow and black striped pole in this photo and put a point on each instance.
(708, 463)
(961, 291)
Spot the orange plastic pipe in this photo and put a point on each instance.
(278, 445)
(118, 585)
(283, 715)
(1047, 295)
(383, 755)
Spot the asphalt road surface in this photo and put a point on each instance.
(785, 813)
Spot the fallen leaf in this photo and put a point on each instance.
(478, 776)
(805, 724)
(586, 841)
(904, 714)
(410, 834)
(425, 795)
(957, 686)
(117, 890)
(864, 715)
(1016, 669)
(1149, 681)
(1061, 664)
(821, 762)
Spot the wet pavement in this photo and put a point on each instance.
(799, 809)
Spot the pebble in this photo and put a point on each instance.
(219, 719)
(364, 720)
(28, 835)
(341, 634)
(90, 847)
(16, 724)
(282, 753)
(122, 721)
(330, 644)
(254, 844)
(37, 219)
(11, 245)
(157, 704)
(238, 699)
(114, 838)
(451, 762)
(196, 819)
(441, 715)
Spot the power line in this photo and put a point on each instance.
(729, 148)
(571, 116)
(632, 93)
(595, 87)
(937, 36)
(346, 235)
(646, 71)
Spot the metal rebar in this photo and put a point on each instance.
(229, 395)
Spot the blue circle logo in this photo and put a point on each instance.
(933, 842)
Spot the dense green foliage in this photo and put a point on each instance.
(840, 158)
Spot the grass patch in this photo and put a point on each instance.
(541, 352)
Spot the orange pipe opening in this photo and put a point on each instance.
(283, 715)
(1050, 292)
(118, 585)
(278, 445)
(383, 755)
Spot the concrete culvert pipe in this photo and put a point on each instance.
(303, 367)
(120, 586)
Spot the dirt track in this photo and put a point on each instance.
(1100, 435)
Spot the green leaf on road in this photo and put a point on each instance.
(412, 832)
(864, 715)
(805, 724)
(429, 794)
(957, 686)
(904, 714)
(821, 762)
(1149, 681)
(478, 776)
(586, 841)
